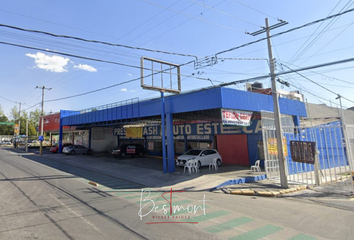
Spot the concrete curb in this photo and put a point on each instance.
(266, 193)
(241, 181)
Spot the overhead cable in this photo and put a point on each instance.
(329, 90)
(95, 41)
(303, 49)
(222, 12)
(71, 55)
(287, 31)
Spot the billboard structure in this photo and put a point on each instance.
(160, 75)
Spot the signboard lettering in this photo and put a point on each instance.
(198, 129)
(235, 117)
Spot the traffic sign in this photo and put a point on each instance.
(7, 123)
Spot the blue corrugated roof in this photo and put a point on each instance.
(189, 102)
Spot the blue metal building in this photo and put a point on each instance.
(194, 116)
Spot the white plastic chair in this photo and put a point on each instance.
(214, 164)
(189, 165)
(196, 165)
(256, 167)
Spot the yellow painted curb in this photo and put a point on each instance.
(248, 192)
(267, 193)
(235, 192)
(93, 183)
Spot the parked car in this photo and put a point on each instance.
(131, 149)
(55, 148)
(6, 143)
(77, 149)
(204, 156)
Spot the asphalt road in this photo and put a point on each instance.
(40, 202)
(55, 201)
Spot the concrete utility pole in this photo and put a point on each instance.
(27, 134)
(346, 139)
(19, 120)
(278, 129)
(42, 117)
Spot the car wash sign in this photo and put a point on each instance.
(235, 117)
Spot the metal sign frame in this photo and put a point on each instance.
(161, 71)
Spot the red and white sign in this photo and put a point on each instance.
(131, 150)
(236, 117)
(51, 123)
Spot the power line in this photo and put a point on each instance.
(224, 13)
(297, 54)
(254, 9)
(95, 41)
(7, 99)
(71, 55)
(317, 83)
(323, 75)
(331, 23)
(337, 35)
(32, 106)
(287, 31)
(195, 17)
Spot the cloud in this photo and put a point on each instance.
(52, 63)
(124, 90)
(86, 67)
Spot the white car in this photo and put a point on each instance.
(204, 156)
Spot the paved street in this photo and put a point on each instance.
(46, 199)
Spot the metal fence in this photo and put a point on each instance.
(334, 160)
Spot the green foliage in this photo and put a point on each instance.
(33, 121)
(6, 129)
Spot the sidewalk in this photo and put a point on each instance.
(148, 172)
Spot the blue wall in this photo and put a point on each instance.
(329, 140)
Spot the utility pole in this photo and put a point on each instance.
(27, 134)
(19, 120)
(278, 129)
(346, 139)
(42, 117)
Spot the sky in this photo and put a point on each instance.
(206, 38)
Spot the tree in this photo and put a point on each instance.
(14, 114)
(1, 111)
(6, 129)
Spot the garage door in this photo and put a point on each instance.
(233, 149)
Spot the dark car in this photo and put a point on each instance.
(131, 149)
(55, 148)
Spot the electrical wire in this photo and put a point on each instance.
(7, 99)
(254, 9)
(323, 75)
(303, 48)
(95, 41)
(71, 55)
(317, 83)
(32, 106)
(337, 35)
(287, 31)
(195, 17)
(224, 13)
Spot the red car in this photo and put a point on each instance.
(55, 148)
